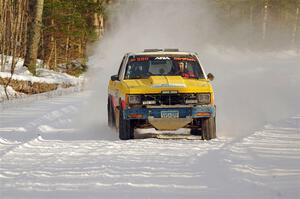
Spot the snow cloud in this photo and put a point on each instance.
(251, 88)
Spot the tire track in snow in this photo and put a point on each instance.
(270, 158)
(6, 145)
(32, 119)
(28, 122)
(137, 164)
(266, 160)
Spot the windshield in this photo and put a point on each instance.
(140, 67)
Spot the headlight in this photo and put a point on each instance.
(203, 98)
(134, 99)
(191, 101)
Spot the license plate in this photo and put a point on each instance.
(169, 114)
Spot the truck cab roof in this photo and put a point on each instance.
(161, 52)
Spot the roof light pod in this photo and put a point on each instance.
(171, 50)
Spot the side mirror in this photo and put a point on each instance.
(114, 78)
(210, 77)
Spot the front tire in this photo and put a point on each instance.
(126, 128)
(209, 128)
(109, 113)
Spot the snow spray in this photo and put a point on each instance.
(252, 87)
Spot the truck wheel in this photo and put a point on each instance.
(209, 128)
(109, 113)
(196, 131)
(126, 128)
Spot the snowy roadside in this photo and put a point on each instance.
(43, 75)
(23, 99)
(11, 93)
(57, 83)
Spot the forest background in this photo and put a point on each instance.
(59, 32)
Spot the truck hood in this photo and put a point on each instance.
(156, 84)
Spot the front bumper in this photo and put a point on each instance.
(154, 112)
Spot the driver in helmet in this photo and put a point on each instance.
(183, 71)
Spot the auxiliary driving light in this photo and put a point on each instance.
(203, 114)
(135, 116)
(149, 102)
(191, 101)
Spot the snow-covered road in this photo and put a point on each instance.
(42, 155)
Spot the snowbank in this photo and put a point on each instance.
(23, 99)
(11, 93)
(43, 76)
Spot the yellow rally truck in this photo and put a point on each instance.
(165, 89)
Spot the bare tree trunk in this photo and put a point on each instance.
(49, 58)
(80, 48)
(97, 24)
(3, 34)
(15, 14)
(42, 54)
(1, 20)
(48, 62)
(36, 9)
(26, 22)
(18, 30)
(67, 46)
(101, 20)
(1, 11)
(2, 39)
(12, 22)
(251, 16)
(96, 21)
(265, 19)
(55, 55)
(295, 26)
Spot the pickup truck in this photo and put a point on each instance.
(165, 89)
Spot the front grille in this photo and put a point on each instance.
(168, 99)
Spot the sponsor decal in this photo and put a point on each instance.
(184, 59)
(162, 58)
(167, 85)
(139, 59)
